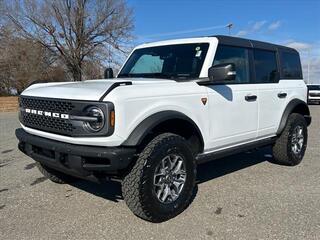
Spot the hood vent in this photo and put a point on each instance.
(113, 86)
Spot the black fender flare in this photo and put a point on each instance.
(289, 109)
(144, 128)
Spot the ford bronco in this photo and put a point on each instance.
(174, 104)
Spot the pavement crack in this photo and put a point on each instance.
(4, 190)
(7, 151)
(3, 165)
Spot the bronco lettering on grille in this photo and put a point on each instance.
(47, 114)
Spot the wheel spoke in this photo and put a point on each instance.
(177, 185)
(159, 173)
(173, 160)
(166, 193)
(178, 167)
(180, 180)
(175, 192)
(160, 191)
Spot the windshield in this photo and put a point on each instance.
(178, 62)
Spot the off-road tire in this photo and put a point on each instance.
(137, 186)
(282, 150)
(54, 175)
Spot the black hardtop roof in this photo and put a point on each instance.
(242, 42)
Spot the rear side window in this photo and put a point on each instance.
(290, 65)
(265, 63)
(236, 55)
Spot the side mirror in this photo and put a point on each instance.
(222, 72)
(108, 73)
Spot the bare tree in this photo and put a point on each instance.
(74, 30)
(22, 62)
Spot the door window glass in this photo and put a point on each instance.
(265, 63)
(239, 57)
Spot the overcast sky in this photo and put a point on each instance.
(292, 23)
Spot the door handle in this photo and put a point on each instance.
(282, 95)
(250, 98)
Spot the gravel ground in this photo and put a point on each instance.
(239, 197)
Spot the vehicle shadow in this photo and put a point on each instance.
(206, 172)
(227, 165)
(109, 190)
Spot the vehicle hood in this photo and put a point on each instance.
(91, 90)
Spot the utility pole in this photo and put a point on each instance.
(308, 66)
(229, 26)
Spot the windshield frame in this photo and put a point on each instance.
(201, 74)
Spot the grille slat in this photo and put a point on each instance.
(41, 122)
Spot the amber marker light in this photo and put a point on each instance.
(112, 118)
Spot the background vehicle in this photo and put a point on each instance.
(173, 105)
(313, 93)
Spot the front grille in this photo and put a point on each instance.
(47, 105)
(64, 118)
(41, 122)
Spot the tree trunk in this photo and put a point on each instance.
(76, 75)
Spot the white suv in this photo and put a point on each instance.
(173, 105)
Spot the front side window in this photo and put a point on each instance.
(290, 65)
(239, 57)
(178, 62)
(265, 63)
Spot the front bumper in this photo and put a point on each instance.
(88, 162)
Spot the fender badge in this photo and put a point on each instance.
(204, 100)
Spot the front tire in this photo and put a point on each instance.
(161, 183)
(291, 145)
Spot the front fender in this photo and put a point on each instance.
(142, 130)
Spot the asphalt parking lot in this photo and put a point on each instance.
(240, 197)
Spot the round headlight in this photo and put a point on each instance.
(95, 125)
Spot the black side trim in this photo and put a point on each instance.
(113, 86)
(290, 107)
(206, 157)
(152, 121)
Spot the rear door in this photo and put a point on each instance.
(271, 96)
(233, 106)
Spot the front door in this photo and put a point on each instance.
(233, 107)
